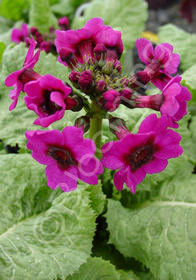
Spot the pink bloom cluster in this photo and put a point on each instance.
(44, 41)
(80, 45)
(93, 54)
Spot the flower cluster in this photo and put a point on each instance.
(44, 41)
(98, 85)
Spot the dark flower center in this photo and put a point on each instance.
(63, 156)
(140, 156)
(47, 106)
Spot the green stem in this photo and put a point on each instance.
(95, 131)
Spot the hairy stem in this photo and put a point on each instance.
(95, 131)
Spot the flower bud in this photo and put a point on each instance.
(125, 97)
(83, 123)
(86, 81)
(74, 78)
(68, 57)
(100, 52)
(140, 79)
(63, 23)
(117, 65)
(152, 101)
(111, 100)
(46, 46)
(74, 103)
(118, 127)
(107, 68)
(100, 86)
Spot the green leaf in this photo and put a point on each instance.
(48, 64)
(41, 15)
(14, 124)
(45, 234)
(97, 268)
(127, 16)
(183, 43)
(13, 58)
(189, 81)
(2, 48)
(4, 25)
(159, 233)
(13, 10)
(63, 8)
(97, 198)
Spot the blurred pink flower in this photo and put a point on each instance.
(68, 157)
(18, 78)
(18, 35)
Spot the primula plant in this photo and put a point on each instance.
(101, 184)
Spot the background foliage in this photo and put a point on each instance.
(94, 232)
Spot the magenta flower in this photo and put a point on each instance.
(175, 99)
(160, 61)
(68, 157)
(146, 152)
(82, 42)
(20, 35)
(111, 100)
(172, 102)
(47, 98)
(26, 74)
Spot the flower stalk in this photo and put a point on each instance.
(95, 131)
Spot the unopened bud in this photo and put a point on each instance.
(100, 52)
(100, 86)
(68, 57)
(63, 23)
(86, 81)
(74, 78)
(138, 80)
(107, 68)
(74, 103)
(83, 123)
(111, 100)
(46, 46)
(151, 101)
(118, 127)
(117, 65)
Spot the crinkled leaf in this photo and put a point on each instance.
(97, 268)
(5, 37)
(2, 48)
(14, 10)
(41, 15)
(97, 198)
(13, 58)
(45, 234)
(63, 8)
(160, 232)
(14, 124)
(183, 43)
(48, 64)
(127, 16)
(189, 81)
